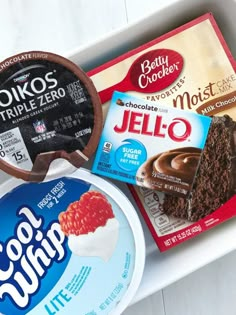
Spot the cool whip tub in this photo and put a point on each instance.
(69, 248)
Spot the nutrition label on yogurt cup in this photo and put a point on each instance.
(13, 149)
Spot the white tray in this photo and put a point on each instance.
(163, 269)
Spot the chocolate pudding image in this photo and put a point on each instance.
(174, 167)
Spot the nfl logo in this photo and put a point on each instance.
(39, 126)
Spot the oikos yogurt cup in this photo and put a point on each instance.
(50, 116)
(73, 245)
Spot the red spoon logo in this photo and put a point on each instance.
(156, 70)
(151, 72)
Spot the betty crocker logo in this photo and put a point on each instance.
(156, 70)
(151, 72)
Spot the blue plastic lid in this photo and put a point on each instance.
(73, 245)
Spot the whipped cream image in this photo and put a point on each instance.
(100, 243)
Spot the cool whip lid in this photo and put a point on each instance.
(67, 245)
(49, 111)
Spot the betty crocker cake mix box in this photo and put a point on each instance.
(189, 68)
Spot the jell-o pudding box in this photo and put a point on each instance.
(149, 145)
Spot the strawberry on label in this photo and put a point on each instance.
(86, 215)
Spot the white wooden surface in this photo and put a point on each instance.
(61, 26)
(208, 291)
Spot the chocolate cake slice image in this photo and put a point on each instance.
(215, 181)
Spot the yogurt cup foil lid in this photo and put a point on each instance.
(69, 247)
(49, 112)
